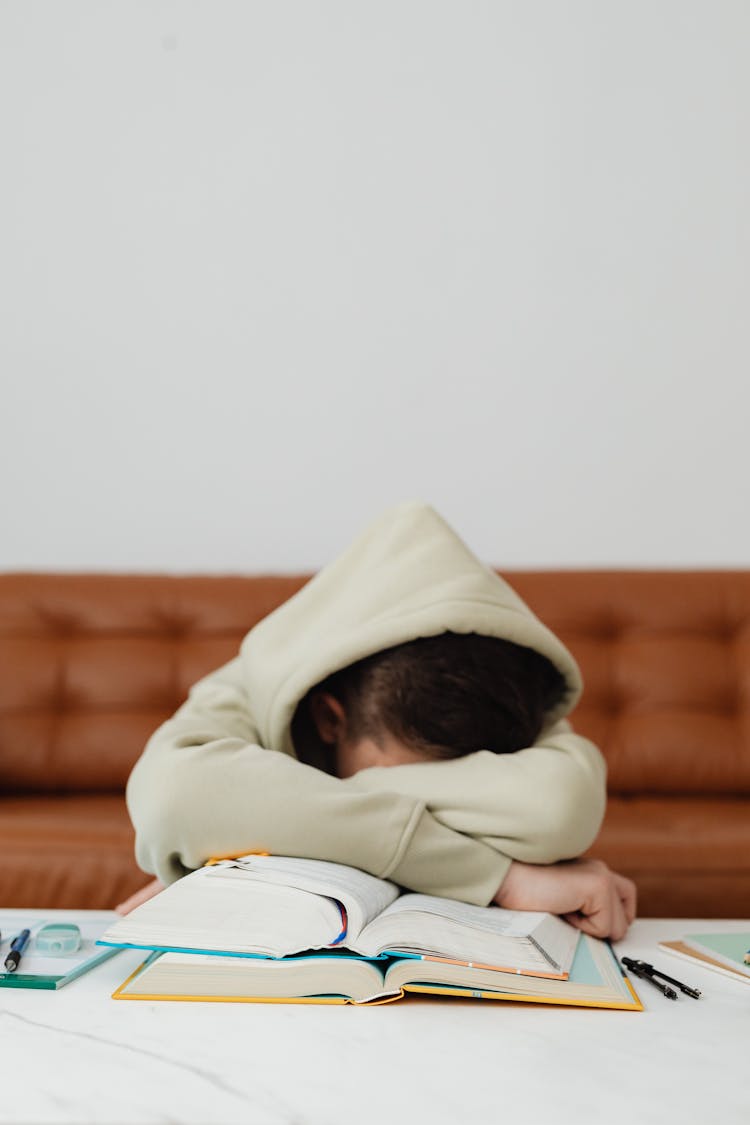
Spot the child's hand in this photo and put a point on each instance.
(145, 893)
(584, 891)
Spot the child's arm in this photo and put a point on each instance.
(204, 787)
(541, 804)
(584, 891)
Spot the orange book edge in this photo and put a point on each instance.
(495, 968)
(220, 858)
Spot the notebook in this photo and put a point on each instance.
(38, 970)
(723, 953)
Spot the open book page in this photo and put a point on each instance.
(363, 896)
(199, 976)
(522, 941)
(493, 919)
(261, 905)
(220, 910)
(595, 979)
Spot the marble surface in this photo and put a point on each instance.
(78, 1056)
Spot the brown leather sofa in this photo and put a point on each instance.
(93, 663)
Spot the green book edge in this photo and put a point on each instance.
(43, 981)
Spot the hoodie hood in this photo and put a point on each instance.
(407, 575)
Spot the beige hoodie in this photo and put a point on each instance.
(221, 776)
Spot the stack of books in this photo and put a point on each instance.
(278, 929)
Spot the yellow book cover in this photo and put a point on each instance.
(596, 980)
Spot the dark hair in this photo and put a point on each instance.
(444, 696)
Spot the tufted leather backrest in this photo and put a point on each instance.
(91, 664)
(665, 658)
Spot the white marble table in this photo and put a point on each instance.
(78, 1056)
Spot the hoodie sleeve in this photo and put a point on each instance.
(541, 804)
(204, 787)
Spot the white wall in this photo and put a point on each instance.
(268, 268)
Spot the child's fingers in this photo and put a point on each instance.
(607, 920)
(574, 918)
(606, 917)
(628, 893)
(589, 926)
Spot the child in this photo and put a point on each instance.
(403, 712)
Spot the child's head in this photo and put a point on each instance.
(431, 698)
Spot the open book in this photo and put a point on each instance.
(329, 977)
(276, 906)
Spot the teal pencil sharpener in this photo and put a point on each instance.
(58, 938)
